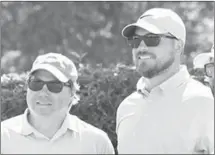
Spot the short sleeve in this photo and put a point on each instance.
(127, 109)
(104, 145)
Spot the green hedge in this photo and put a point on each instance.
(101, 92)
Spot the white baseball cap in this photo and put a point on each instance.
(201, 59)
(158, 21)
(59, 65)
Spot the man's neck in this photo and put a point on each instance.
(47, 125)
(165, 75)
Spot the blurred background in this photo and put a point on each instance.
(89, 32)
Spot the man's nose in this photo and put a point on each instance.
(142, 46)
(44, 90)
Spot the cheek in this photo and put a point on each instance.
(165, 53)
(134, 55)
(30, 96)
(63, 98)
(166, 45)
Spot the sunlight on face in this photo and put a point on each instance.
(150, 61)
(44, 102)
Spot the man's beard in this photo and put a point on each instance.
(157, 69)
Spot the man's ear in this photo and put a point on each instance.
(71, 101)
(70, 106)
(179, 45)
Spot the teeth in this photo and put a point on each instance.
(144, 57)
(41, 103)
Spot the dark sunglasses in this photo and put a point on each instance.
(209, 69)
(53, 86)
(151, 40)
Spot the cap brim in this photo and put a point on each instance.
(54, 71)
(201, 59)
(129, 30)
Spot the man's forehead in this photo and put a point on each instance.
(140, 31)
(43, 73)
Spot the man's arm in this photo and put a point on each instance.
(105, 145)
(5, 140)
(126, 120)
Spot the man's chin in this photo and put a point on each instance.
(146, 73)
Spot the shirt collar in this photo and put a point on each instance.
(70, 122)
(27, 129)
(142, 87)
(171, 83)
(176, 80)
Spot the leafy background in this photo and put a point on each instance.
(90, 32)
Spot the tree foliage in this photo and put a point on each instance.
(89, 32)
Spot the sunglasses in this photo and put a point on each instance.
(151, 40)
(53, 86)
(209, 69)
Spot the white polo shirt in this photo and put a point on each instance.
(176, 117)
(74, 137)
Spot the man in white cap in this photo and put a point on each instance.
(206, 62)
(170, 112)
(46, 127)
